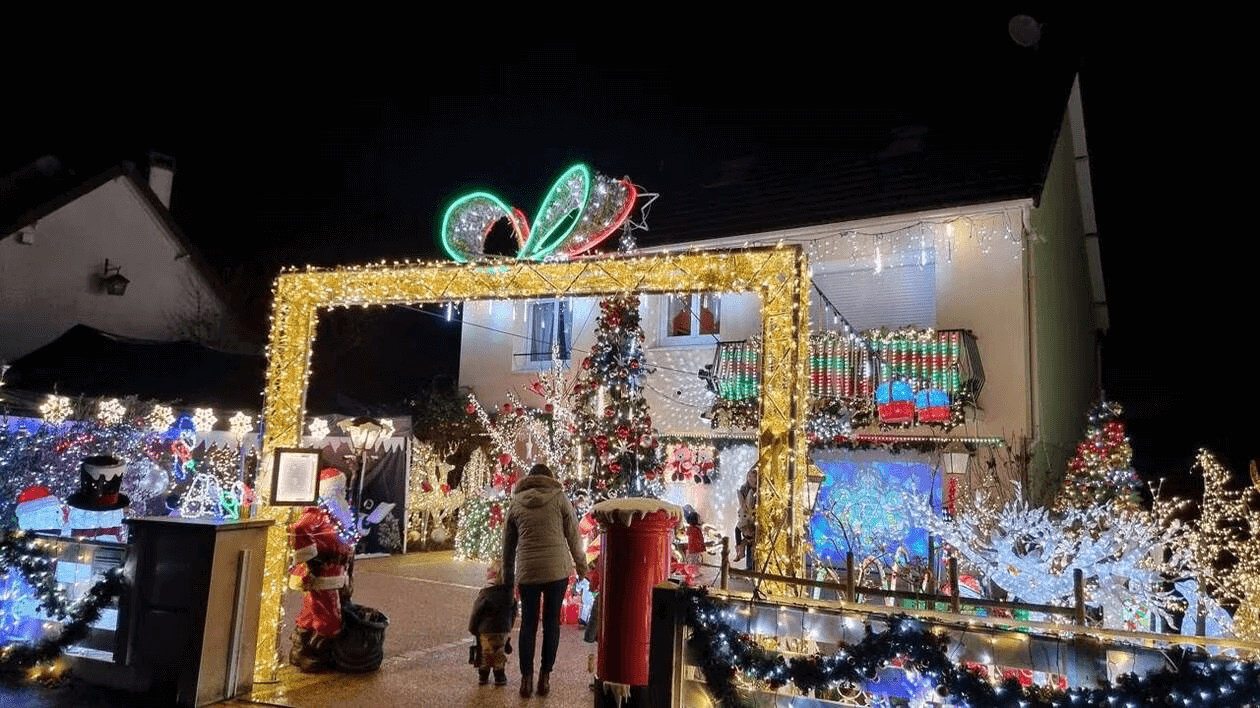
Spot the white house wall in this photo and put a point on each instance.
(979, 286)
(50, 285)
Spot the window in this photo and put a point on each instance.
(550, 322)
(692, 317)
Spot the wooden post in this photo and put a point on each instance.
(850, 594)
(1078, 583)
(955, 602)
(724, 575)
(665, 653)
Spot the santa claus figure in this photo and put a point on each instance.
(323, 545)
(39, 511)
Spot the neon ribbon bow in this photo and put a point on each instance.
(580, 210)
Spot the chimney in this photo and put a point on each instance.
(161, 176)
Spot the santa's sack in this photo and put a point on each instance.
(361, 645)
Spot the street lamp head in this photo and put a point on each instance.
(364, 432)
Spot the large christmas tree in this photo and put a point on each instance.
(612, 416)
(1102, 468)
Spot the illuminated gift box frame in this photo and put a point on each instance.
(778, 275)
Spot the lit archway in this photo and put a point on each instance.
(779, 276)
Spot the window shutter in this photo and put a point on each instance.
(894, 297)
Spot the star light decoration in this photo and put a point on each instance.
(204, 420)
(160, 419)
(110, 411)
(318, 429)
(240, 425)
(56, 409)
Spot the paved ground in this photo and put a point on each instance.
(427, 598)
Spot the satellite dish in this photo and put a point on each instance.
(1025, 30)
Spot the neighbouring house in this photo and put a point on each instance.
(956, 310)
(102, 252)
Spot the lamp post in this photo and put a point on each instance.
(364, 433)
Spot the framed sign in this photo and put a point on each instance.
(295, 477)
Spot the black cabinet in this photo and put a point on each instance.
(194, 610)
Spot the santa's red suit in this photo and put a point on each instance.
(320, 558)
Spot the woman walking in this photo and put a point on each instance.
(540, 536)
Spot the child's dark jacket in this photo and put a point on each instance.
(494, 610)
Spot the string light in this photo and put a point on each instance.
(240, 425)
(204, 419)
(777, 275)
(318, 429)
(110, 411)
(55, 409)
(160, 418)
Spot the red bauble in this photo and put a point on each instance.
(623, 432)
(470, 409)
(609, 412)
(634, 363)
(615, 468)
(586, 363)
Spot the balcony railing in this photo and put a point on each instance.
(901, 377)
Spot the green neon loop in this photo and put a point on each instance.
(456, 252)
(546, 237)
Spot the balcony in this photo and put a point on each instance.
(887, 379)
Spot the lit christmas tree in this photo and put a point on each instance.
(612, 416)
(1102, 469)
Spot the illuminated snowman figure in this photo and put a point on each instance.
(96, 510)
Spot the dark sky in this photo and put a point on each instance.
(331, 155)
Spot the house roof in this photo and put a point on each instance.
(43, 187)
(85, 361)
(921, 167)
(90, 362)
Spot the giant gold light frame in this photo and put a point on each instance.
(778, 275)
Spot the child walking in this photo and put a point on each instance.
(493, 614)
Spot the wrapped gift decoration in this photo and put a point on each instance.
(932, 405)
(894, 401)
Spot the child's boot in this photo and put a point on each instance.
(500, 677)
(483, 676)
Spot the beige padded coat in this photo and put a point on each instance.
(540, 534)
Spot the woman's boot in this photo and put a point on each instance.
(544, 682)
(527, 685)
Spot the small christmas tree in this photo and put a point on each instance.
(612, 416)
(1102, 468)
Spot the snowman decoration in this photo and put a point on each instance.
(97, 507)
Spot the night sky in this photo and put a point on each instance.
(337, 155)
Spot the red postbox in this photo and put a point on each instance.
(637, 534)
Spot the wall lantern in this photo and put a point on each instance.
(113, 281)
(954, 458)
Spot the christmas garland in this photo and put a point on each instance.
(20, 551)
(721, 651)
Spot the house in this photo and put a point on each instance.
(957, 305)
(102, 252)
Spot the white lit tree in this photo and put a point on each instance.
(1031, 553)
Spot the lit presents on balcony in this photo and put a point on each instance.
(895, 402)
(897, 377)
